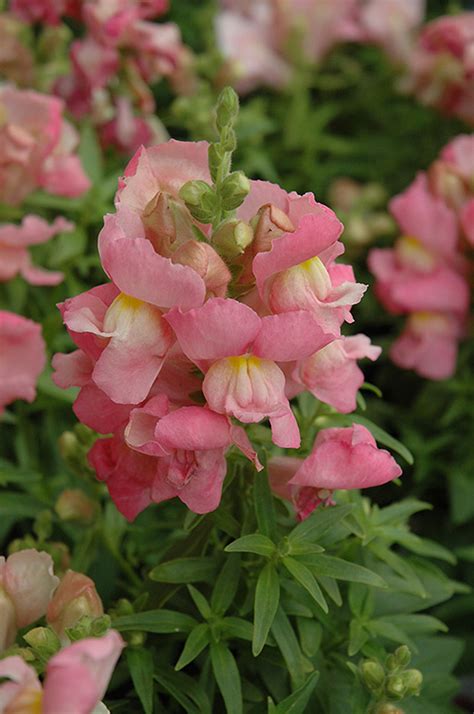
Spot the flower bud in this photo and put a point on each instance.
(200, 199)
(75, 598)
(227, 108)
(402, 655)
(387, 708)
(232, 238)
(74, 505)
(43, 641)
(373, 674)
(234, 190)
(413, 679)
(228, 142)
(395, 686)
(68, 445)
(167, 223)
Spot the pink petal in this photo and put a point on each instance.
(64, 176)
(94, 409)
(29, 580)
(72, 370)
(193, 429)
(289, 336)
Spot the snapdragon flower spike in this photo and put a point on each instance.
(239, 352)
(345, 458)
(299, 273)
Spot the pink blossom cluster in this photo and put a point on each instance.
(22, 358)
(120, 53)
(75, 680)
(260, 40)
(441, 67)
(425, 275)
(191, 340)
(37, 147)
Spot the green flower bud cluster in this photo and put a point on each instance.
(89, 626)
(215, 204)
(391, 680)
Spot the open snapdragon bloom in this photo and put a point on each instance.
(341, 459)
(205, 328)
(76, 678)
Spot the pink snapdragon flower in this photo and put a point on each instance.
(421, 272)
(332, 374)
(340, 459)
(429, 344)
(239, 352)
(76, 678)
(22, 358)
(14, 243)
(441, 71)
(27, 583)
(48, 12)
(109, 20)
(392, 25)
(168, 453)
(37, 147)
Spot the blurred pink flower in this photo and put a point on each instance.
(340, 459)
(36, 147)
(392, 25)
(76, 678)
(22, 358)
(14, 243)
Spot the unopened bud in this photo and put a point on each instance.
(228, 140)
(74, 599)
(387, 708)
(403, 655)
(413, 680)
(200, 199)
(227, 108)
(74, 505)
(391, 663)
(232, 238)
(43, 641)
(395, 686)
(234, 190)
(68, 445)
(7, 621)
(373, 674)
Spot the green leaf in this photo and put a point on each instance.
(288, 645)
(158, 621)
(255, 543)
(358, 636)
(267, 597)
(184, 689)
(399, 565)
(200, 602)
(385, 628)
(14, 504)
(140, 663)
(184, 570)
(197, 640)
(264, 507)
(305, 578)
(332, 588)
(297, 702)
(237, 627)
(302, 548)
(342, 570)
(311, 634)
(226, 585)
(227, 677)
(399, 512)
(420, 546)
(90, 154)
(416, 624)
(318, 523)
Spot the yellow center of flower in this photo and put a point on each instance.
(29, 701)
(412, 253)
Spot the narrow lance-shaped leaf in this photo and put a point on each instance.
(226, 585)
(197, 640)
(342, 570)
(318, 523)
(264, 507)
(305, 578)
(140, 663)
(227, 677)
(184, 570)
(254, 543)
(267, 597)
(158, 621)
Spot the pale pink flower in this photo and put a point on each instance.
(109, 20)
(47, 11)
(14, 243)
(76, 678)
(36, 147)
(332, 374)
(27, 583)
(429, 344)
(75, 597)
(467, 220)
(340, 459)
(442, 66)
(392, 25)
(22, 358)
(239, 352)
